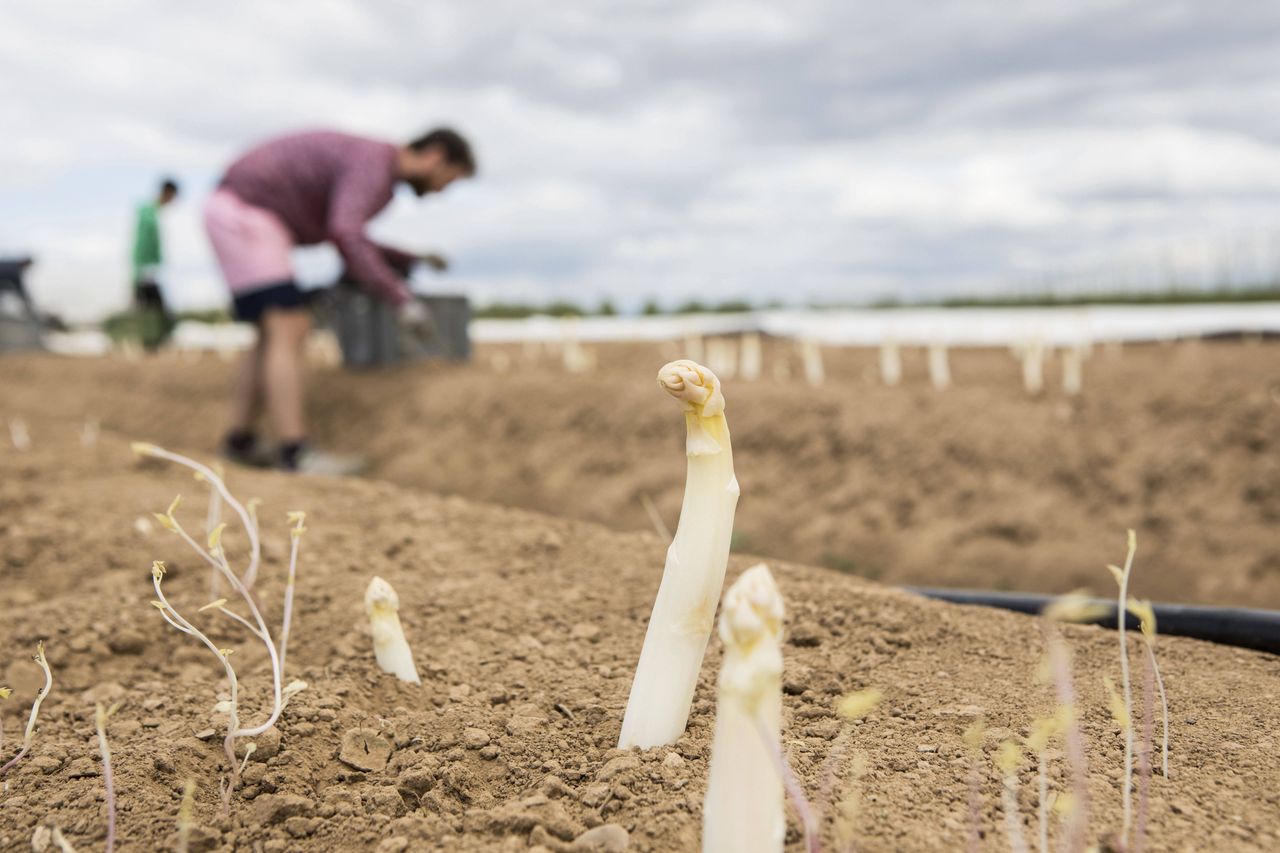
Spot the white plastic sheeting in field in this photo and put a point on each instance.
(912, 326)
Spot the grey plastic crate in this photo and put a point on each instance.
(369, 333)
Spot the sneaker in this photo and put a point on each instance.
(320, 463)
(255, 455)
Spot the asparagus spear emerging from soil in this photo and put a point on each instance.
(684, 611)
(743, 810)
(389, 645)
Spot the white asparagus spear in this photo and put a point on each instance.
(684, 610)
(389, 645)
(743, 809)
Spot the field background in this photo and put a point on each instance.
(977, 486)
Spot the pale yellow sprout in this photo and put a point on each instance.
(298, 519)
(743, 809)
(811, 357)
(1146, 616)
(60, 841)
(215, 538)
(19, 434)
(850, 807)
(213, 517)
(390, 648)
(974, 735)
(215, 554)
(853, 706)
(1147, 621)
(684, 610)
(1060, 668)
(1008, 758)
(1033, 367)
(30, 733)
(186, 814)
(245, 512)
(5, 693)
(1121, 576)
(100, 717)
(1042, 732)
(166, 518)
(1072, 370)
(1119, 712)
(890, 363)
(1065, 805)
(1075, 606)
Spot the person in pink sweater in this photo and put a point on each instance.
(298, 190)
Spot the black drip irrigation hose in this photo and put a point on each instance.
(1231, 626)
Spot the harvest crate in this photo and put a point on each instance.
(370, 335)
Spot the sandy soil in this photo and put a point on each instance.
(977, 486)
(526, 629)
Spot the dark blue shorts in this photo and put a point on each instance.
(248, 307)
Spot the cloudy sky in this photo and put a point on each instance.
(806, 150)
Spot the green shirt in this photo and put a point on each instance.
(146, 241)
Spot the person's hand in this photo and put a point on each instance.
(439, 263)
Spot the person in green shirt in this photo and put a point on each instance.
(155, 323)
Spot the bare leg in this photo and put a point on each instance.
(246, 395)
(284, 332)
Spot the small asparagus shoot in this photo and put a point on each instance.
(973, 737)
(186, 813)
(1038, 742)
(19, 434)
(1033, 367)
(30, 733)
(1144, 754)
(852, 706)
(213, 517)
(216, 556)
(1008, 759)
(1074, 807)
(389, 645)
(60, 841)
(751, 359)
(1072, 370)
(246, 513)
(1121, 576)
(684, 610)
(744, 809)
(890, 363)
(811, 356)
(100, 717)
(939, 366)
(1147, 622)
(5, 693)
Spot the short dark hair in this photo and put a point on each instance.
(169, 185)
(455, 147)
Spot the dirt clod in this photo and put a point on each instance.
(606, 838)
(275, 808)
(365, 749)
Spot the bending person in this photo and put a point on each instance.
(304, 189)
